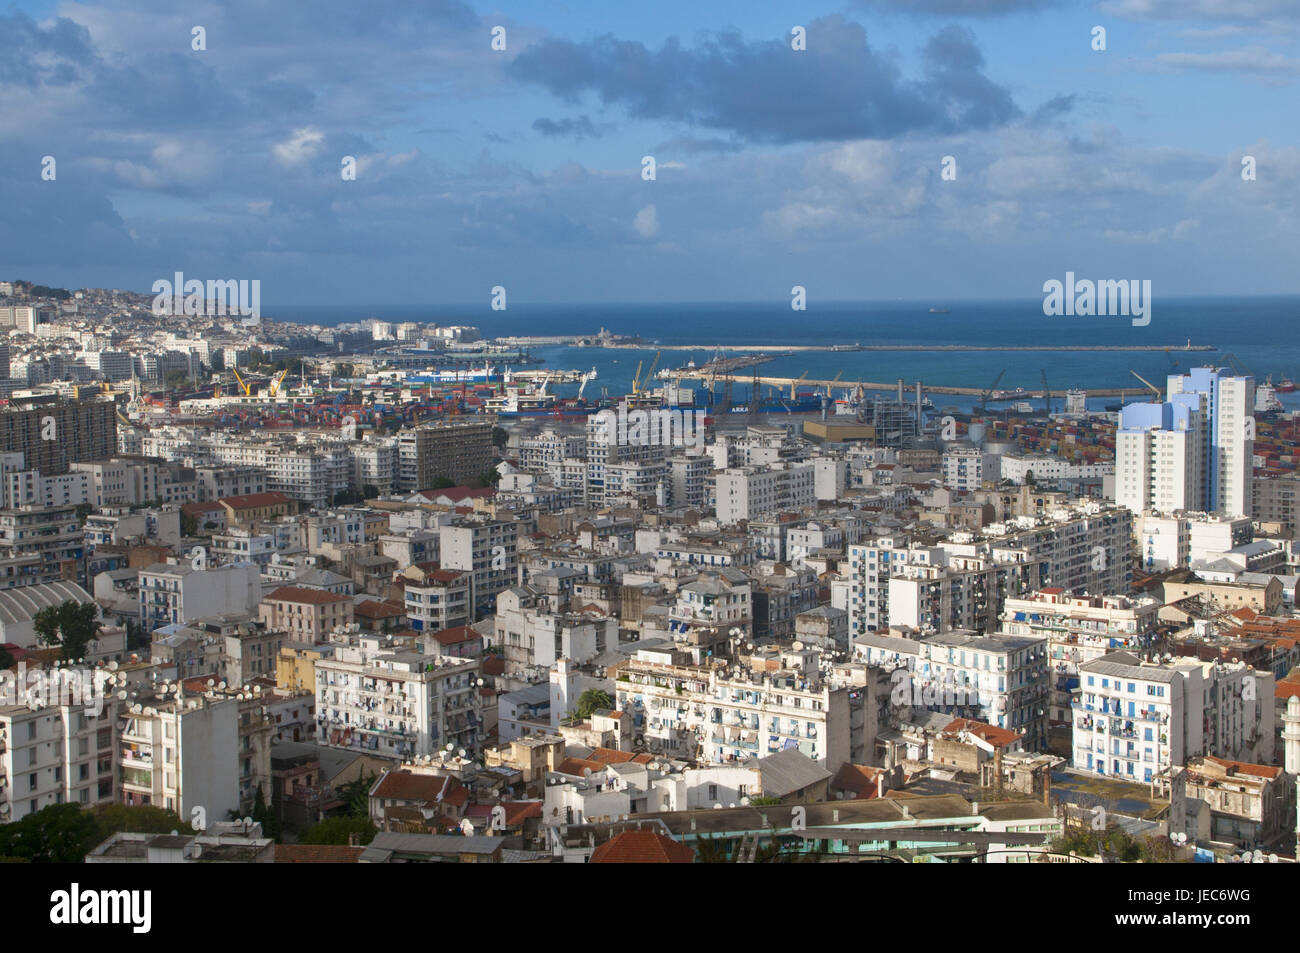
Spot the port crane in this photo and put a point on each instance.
(248, 391)
(795, 383)
(638, 382)
(984, 397)
(1154, 389)
(1047, 393)
(275, 384)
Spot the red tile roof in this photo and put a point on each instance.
(642, 847)
(456, 635)
(317, 854)
(373, 609)
(858, 779)
(315, 597)
(519, 811)
(426, 788)
(252, 501)
(199, 509)
(1247, 768)
(998, 737)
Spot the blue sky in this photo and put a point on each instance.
(776, 167)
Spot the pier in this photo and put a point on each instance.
(842, 348)
(705, 374)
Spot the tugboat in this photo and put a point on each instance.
(1285, 386)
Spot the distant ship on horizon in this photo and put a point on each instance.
(938, 310)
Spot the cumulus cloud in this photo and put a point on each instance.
(646, 222)
(762, 91)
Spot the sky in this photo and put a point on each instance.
(524, 167)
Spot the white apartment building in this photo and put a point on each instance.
(488, 550)
(180, 753)
(1078, 629)
(1083, 549)
(376, 463)
(1049, 468)
(752, 492)
(1002, 679)
(400, 704)
(1134, 719)
(172, 592)
(314, 475)
(688, 480)
(1194, 451)
(1159, 456)
(438, 600)
(60, 754)
(29, 488)
(1178, 540)
(539, 451)
(1229, 453)
(531, 633)
(699, 713)
(958, 593)
(966, 468)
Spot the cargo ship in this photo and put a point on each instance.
(468, 375)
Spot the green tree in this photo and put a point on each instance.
(84, 510)
(189, 524)
(356, 794)
(591, 700)
(500, 437)
(442, 483)
(6, 660)
(336, 830)
(266, 817)
(65, 833)
(489, 478)
(369, 492)
(71, 625)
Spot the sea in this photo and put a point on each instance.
(1259, 335)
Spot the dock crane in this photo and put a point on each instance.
(248, 391)
(638, 383)
(1154, 389)
(275, 384)
(984, 397)
(794, 383)
(1047, 393)
(838, 375)
(1236, 365)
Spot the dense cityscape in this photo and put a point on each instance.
(698, 433)
(378, 593)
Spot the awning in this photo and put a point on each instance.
(790, 743)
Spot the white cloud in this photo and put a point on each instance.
(302, 145)
(646, 222)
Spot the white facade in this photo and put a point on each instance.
(745, 493)
(397, 704)
(1133, 720)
